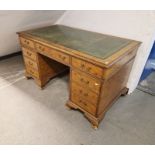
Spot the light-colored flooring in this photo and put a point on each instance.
(148, 84)
(29, 115)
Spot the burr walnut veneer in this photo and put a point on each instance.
(99, 65)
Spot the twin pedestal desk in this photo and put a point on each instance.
(99, 65)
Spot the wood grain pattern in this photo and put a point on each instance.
(86, 94)
(54, 54)
(30, 63)
(111, 88)
(89, 107)
(27, 42)
(87, 67)
(86, 81)
(32, 72)
(108, 72)
(29, 53)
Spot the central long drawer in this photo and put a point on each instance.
(52, 53)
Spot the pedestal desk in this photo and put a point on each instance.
(99, 65)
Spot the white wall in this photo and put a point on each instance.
(14, 21)
(138, 25)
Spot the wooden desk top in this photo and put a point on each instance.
(85, 42)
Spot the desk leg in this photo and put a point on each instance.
(124, 91)
(46, 69)
(93, 120)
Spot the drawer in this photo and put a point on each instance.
(32, 72)
(52, 53)
(27, 42)
(87, 67)
(42, 48)
(64, 58)
(87, 106)
(86, 81)
(30, 54)
(84, 93)
(30, 63)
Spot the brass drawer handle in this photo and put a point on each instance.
(86, 94)
(96, 84)
(80, 101)
(63, 58)
(81, 80)
(80, 91)
(31, 72)
(41, 48)
(87, 82)
(30, 63)
(25, 41)
(85, 104)
(88, 69)
(82, 65)
(28, 53)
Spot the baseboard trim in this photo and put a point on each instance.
(10, 55)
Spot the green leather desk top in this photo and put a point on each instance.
(91, 43)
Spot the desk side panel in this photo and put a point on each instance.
(113, 88)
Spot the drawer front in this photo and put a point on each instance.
(32, 72)
(52, 53)
(42, 48)
(84, 93)
(86, 81)
(87, 67)
(27, 42)
(30, 54)
(89, 107)
(62, 57)
(30, 63)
